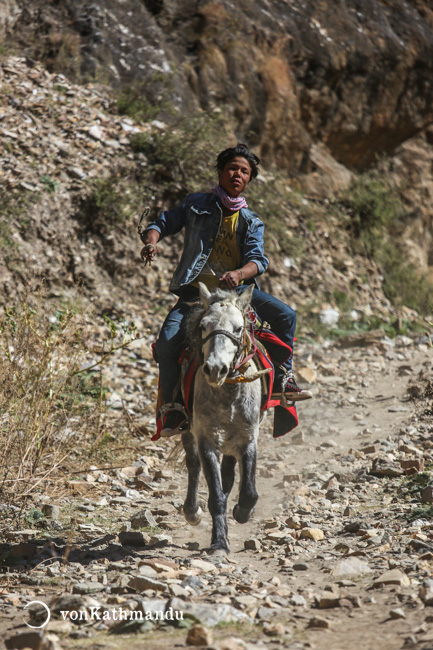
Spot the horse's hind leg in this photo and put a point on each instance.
(191, 509)
(247, 493)
(217, 499)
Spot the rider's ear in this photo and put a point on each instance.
(246, 297)
(204, 294)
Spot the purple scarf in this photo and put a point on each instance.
(229, 202)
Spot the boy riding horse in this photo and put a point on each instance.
(223, 247)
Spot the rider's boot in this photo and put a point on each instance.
(175, 423)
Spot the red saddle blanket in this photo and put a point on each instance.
(273, 350)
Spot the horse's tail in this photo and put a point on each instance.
(176, 455)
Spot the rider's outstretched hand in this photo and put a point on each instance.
(149, 250)
(148, 253)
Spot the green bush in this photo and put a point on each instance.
(110, 202)
(50, 184)
(374, 207)
(107, 200)
(13, 207)
(134, 104)
(376, 223)
(270, 200)
(6, 240)
(403, 283)
(182, 156)
(145, 101)
(39, 364)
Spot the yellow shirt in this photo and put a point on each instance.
(225, 255)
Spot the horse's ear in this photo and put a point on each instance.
(204, 294)
(246, 297)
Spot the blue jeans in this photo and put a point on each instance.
(168, 347)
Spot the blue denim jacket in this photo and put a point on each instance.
(201, 216)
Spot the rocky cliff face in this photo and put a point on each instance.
(354, 75)
(319, 89)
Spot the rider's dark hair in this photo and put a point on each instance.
(240, 149)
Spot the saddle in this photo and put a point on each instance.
(270, 351)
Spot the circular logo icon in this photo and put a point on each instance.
(39, 602)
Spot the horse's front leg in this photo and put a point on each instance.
(247, 493)
(228, 465)
(217, 499)
(191, 509)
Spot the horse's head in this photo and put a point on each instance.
(222, 330)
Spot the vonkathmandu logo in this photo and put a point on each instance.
(120, 614)
(113, 614)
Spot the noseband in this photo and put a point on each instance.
(224, 333)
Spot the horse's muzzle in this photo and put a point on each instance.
(216, 374)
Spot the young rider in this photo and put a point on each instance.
(223, 247)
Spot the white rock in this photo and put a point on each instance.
(351, 566)
(207, 567)
(329, 316)
(95, 132)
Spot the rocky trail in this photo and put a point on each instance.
(337, 555)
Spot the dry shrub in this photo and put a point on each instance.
(46, 402)
(51, 393)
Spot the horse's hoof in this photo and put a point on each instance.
(193, 518)
(217, 551)
(242, 515)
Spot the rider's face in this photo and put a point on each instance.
(235, 176)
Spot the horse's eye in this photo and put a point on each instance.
(238, 330)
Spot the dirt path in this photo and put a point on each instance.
(324, 538)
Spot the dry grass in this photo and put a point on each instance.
(51, 394)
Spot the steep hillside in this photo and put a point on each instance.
(320, 95)
(75, 180)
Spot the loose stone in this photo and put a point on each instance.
(393, 577)
(318, 622)
(199, 636)
(312, 533)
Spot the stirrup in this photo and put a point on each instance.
(168, 432)
(290, 391)
(287, 397)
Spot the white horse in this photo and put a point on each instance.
(226, 410)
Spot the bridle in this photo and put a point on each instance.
(238, 341)
(246, 349)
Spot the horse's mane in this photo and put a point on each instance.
(192, 330)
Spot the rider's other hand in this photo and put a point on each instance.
(231, 279)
